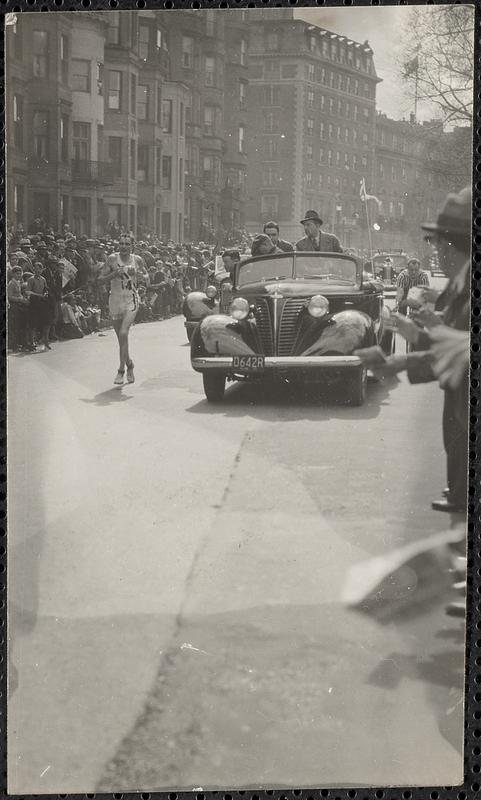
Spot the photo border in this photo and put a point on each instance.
(472, 754)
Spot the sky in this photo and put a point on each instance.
(383, 28)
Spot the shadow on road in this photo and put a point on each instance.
(295, 401)
(281, 695)
(108, 397)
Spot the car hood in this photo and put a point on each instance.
(296, 288)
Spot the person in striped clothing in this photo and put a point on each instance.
(412, 276)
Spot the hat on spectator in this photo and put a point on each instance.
(25, 242)
(454, 219)
(41, 246)
(90, 243)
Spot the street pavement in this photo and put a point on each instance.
(176, 572)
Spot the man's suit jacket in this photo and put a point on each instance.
(328, 243)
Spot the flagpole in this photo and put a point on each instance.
(369, 236)
(416, 94)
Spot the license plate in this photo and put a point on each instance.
(248, 363)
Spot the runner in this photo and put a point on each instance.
(121, 271)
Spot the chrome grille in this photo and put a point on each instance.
(289, 326)
(264, 326)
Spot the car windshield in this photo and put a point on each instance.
(307, 266)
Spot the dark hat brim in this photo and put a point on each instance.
(312, 219)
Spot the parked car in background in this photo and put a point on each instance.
(387, 266)
(295, 316)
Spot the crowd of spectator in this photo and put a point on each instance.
(52, 287)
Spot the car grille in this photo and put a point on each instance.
(289, 326)
(264, 326)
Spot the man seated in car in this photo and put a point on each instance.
(272, 230)
(263, 245)
(315, 239)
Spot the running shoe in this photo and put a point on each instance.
(130, 373)
(119, 378)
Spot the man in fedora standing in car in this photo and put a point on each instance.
(315, 239)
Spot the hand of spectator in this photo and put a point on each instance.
(450, 350)
(427, 318)
(406, 327)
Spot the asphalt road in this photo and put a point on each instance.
(175, 579)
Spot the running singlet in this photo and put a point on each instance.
(123, 297)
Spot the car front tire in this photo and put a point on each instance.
(356, 387)
(214, 386)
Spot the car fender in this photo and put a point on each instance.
(349, 330)
(221, 335)
(196, 308)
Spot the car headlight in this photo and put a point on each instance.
(211, 291)
(318, 306)
(239, 308)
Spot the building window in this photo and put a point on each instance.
(159, 39)
(113, 30)
(329, 158)
(243, 53)
(338, 133)
(321, 156)
(272, 41)
(17, 46)
(209, 117)
(346, 135)
(321, 180)
(187, 52)
(354, 163)
(64, 59)
(133, 170)
(269, 205)
(133, 94)
(330, 131)
(308, 180)
(309, 152)
(40, 134)
(242, 94)
(181, 174)
(310, 98)
(208, 169)
(354, 136)
(144, 35)
(167, 116)
(270, 176)
(100, 78)
(142, 162)
(322, 131)
(166, 224)
(181, 119)
(64, 138)
(310, 127)
(338, 158)
(310, 72)
(80, 75)
(365, 138)
(18, 121)
(289, 70)
(323, 75)
(40, 51)
(356, 112)
(241, 139)
(158, 165)
(81, 215)
(81, 141)
(393, 174)
(271, 96)
(323, 102)
(272, 149)
(115, 85)
(166, 172)
(209, 71)
(143, 102)
(115, 154)
(271, 123)
(210, 17)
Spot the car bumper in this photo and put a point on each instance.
(305, 363)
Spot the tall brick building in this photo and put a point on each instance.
(312, 99)
(137, 118)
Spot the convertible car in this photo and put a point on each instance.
(296, 317)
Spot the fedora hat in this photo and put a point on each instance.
(311, 215)
(454, 219)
